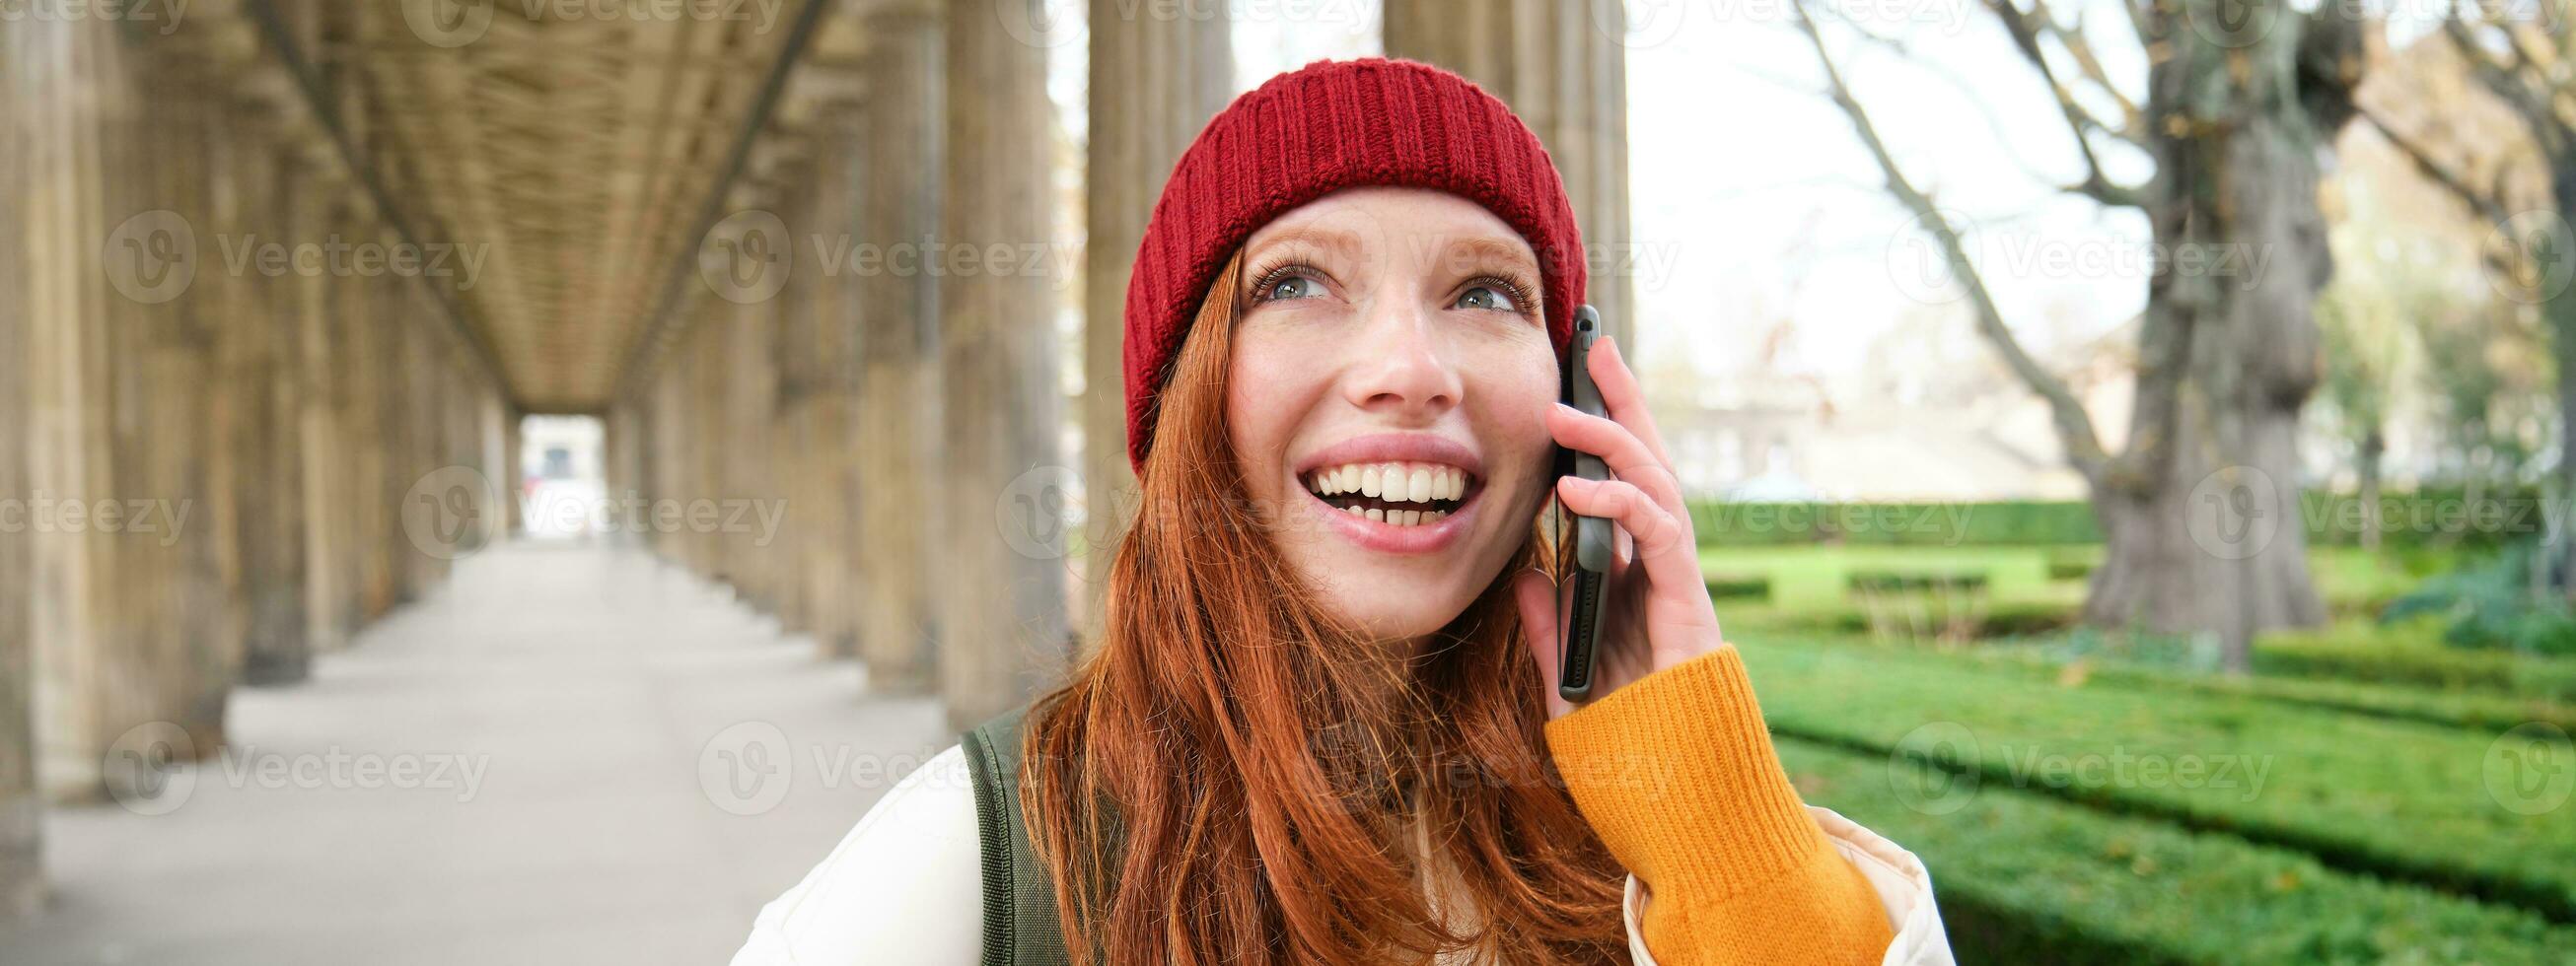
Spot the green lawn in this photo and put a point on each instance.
(2029, 878)
(2402, 799)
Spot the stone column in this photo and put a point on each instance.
(901, 152)
(1155, 81)
(74, 99)
(825, 517)
(1563, 67)
(258, 342)
(999, 578)
(22, 882)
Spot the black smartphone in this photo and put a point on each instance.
(1593, 544)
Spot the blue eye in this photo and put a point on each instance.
(1487, 297)
(1292, 287)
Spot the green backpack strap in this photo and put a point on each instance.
(1020, 923)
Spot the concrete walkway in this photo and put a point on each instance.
(566, 754)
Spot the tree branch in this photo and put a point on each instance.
(2079, 121)
(2485, 206)
(2074, 426)
(2512, 85)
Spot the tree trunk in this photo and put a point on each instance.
(2202, 512)
(2374, 450)
(2550, 279)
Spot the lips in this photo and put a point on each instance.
(1397, 493)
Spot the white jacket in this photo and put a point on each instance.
(906, 886)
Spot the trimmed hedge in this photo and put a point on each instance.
(2397, 799)
(2023, 878)
(1900, 581)
(1739, 587)
(2065, 565)
(2396, 657)
(2022, 522)
(2475, 710)
(2431, 517)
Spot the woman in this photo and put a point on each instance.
(1321, 724)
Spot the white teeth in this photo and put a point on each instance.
(1392, 482)
(1376, 515)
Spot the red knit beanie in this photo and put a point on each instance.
(1307, 133)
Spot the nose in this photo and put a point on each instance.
(1404, 370)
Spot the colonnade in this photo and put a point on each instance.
(236, 428)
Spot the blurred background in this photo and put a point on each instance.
(514, 480)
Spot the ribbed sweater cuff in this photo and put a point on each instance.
(1676, 773)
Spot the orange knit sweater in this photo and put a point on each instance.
(1676, 773)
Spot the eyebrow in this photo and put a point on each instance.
(1331, 239)
(1469, 249)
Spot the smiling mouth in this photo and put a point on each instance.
(1403, 494)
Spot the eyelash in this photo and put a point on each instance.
(1270, 278)
(1282, 272)
(1511, 288)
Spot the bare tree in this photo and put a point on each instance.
(2200, 505)
(2518, 53)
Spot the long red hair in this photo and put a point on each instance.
(1231, 777)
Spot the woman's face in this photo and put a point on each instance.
(1389, 378)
